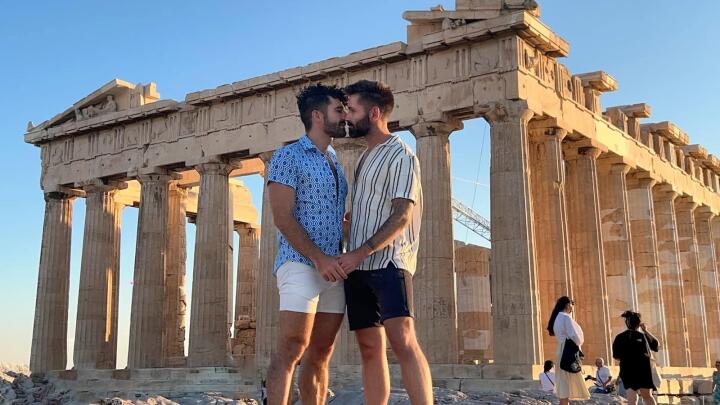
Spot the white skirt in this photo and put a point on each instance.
(568, 385)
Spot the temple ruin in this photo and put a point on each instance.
(586, 201)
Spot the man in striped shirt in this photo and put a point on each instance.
(382, 248)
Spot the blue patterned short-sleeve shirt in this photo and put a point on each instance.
(319, 203)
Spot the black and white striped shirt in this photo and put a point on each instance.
(389, 171)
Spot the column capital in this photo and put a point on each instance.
(666, 190)
(573, 152)
(215, 168)
(585, 148)
(541, 133)
(640, 178)
(154, 177)
(704, 213)
(613, 163)
(686, 202)
(101, 186)
(507, 111)
(60, 195)
(436, 128)
(241, 226)
(265, 157)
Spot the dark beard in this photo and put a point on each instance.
(362, 128)
(335, 130)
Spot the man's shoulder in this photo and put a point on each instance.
(404, 148)
(289, 149)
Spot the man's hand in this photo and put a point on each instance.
(643, 327)
(351, 261)
(329, 268)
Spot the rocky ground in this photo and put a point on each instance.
(17, 388)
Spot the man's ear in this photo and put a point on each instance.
(317, 114)
(375, 113)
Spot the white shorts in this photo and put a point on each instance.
(302, 289)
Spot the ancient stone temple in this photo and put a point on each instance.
(586, 201)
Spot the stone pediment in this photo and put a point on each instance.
(116, 95)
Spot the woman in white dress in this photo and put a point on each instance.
(561, 325)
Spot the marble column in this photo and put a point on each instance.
(516, 323)
(587, 250)
(552, 253)
(147, 315)
(692, 287)
(348, 152)
(97, 310)
(715, 232)
(175, 299)
(268, 298)
(210, 319)
(49, 339)
(708, 278)
(472, 267)
(645, 253)
(434, 279)
(671, 281)
(245, 300)
(617, 240)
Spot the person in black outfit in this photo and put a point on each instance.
(630, 348)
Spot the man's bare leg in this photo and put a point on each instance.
(295, 331)
(316, 361)
(413, 364)
(375, 372)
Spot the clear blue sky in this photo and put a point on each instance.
(52, 53)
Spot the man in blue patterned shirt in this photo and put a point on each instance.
(307, 189)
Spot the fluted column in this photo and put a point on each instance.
(587, 250)
(692, 287)
(148, 298)
(212, 270)
(516, 323)
(645, 253)
(617, 241)
(549, 218)
(708, 278)
(247, 269)
(434, 279)
(671, 275)
(472, 267)
(49, 339)
(97, 310)
(348, 152)
(268, 298)
(175, 299)
(715, 231)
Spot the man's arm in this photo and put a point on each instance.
(400, 217)
(282, 203)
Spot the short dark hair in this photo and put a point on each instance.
(317, 97)
(549, 364)
(632, 319)
(373, 94)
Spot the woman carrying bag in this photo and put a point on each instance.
(633, 349)
(569, 383)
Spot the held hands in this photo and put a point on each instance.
(351, 260)
(337, 268)
(329, 268)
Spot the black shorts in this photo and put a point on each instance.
(372, 296)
